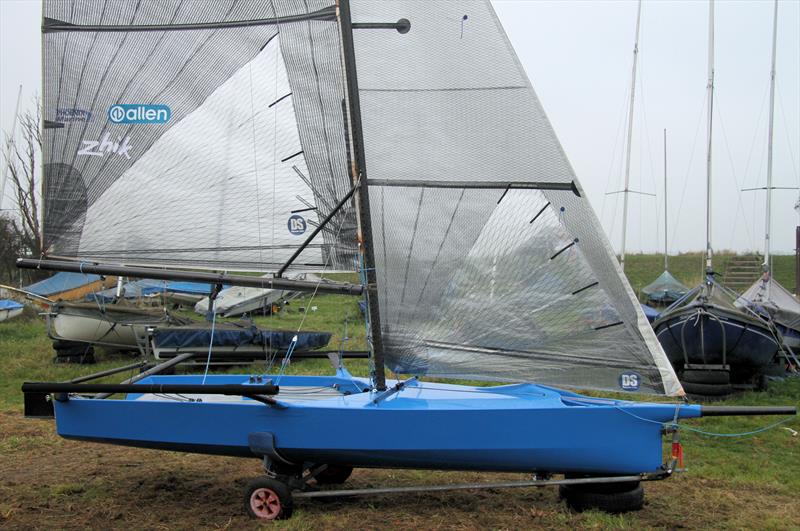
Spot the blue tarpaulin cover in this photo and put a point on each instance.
(145, 287)
(61, 282)
(6, 304)
(650, 312)
(234, 336)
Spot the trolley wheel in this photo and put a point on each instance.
(268, 499)
(699, 376)
(602, 497)
(333, 475)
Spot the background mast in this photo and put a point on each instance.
(626, 190)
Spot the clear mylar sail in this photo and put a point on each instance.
(489, 261)
(171, 141)
(476, 280)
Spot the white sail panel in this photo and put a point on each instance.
(476, 280)
(218, 178)
(189, 146)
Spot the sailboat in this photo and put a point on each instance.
(709, 340)
(428, 163)
(236, 300)
(766, 296)
(666, 289)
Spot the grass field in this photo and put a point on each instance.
(49, 483)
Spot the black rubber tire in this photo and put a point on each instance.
(706, 377)
(80, 359)
(82, 355)
(74, 351)
(333, 475)
(582, 499)
(281, 489)
(707, 389)
(63, 344)
(605, 488)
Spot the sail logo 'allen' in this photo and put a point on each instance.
(296, 225)
(98, 148)
(139, 114)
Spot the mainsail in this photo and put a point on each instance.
(489, 261)
(477, 279)
(174, 137)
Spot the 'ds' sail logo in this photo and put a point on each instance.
(296, 225)
(136, 113)
(630, 381)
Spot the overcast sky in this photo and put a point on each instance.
(578, 56)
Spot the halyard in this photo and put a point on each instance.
(50, 483)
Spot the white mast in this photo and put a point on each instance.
(630, 136)
(710, 89)
(9, 143)
(665, 200)
(768, 225)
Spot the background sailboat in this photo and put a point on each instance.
(766, 295)
(666, 289)
(710, 341)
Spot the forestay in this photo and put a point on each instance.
(476, 280)
(176, 135)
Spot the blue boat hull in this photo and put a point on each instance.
(520, 428)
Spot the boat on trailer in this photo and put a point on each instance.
(479, 256)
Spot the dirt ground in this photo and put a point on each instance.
(50, 483)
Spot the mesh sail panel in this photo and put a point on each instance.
(485, 283)
(192, 147)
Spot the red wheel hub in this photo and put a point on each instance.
(265, 503)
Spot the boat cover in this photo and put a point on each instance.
(9, 305)
(61, 282)
(650, 312)
(237, 336)
(148, 287)
(665, 288)
(767, 295)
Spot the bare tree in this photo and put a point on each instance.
(21, 229)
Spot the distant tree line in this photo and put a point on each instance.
(20, 222)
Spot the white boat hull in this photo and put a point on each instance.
(111, 327)
(9, 314)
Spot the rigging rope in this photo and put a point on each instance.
(686, 177)
(211, 342)
(290, 350)
(739, 205)
(677, 425)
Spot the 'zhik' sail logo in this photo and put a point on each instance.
(297, 225)
(136, 113)
(98, 148)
